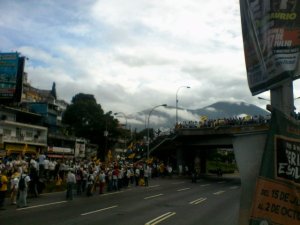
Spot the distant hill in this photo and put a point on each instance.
(230, 109)
(163, 118)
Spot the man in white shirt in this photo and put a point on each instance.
(46, 167)
(41, 159)
(71, 181)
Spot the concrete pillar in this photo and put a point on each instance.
(248, 150)
(282, 98)
(203, 160)
(179, 160)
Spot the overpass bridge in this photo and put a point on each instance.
(186, 144)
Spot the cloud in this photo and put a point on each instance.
(131, 56)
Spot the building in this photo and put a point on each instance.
(21, 132)
(33, 123)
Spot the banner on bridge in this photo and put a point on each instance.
(277, 195)
(271, 35)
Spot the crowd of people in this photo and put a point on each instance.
(224, 122)
(29, 176)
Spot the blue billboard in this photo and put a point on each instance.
(11, 73)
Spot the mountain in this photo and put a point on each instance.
(163, 118)
(230, 109)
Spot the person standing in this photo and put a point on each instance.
(14, 181)
(3, 188)
(41, 160)
(23, 189)
(46, 168)
(90, 184)
(79, 178)
(34, 177)
(101, 181)
(147, 175)
(84, 179)
(115, 174)
(71, 181)
(137, 176)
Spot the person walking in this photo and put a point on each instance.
(71, 181)
(23, 189)
(3, 188)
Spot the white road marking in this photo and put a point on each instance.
(219, 192)
(99, 210)
(204, 185)
(113, 193)
(153, 186)
(160, 218)
(183, 189)
(182, 182)
(197, 201)
(234, 187)
(37, 206)
(153, 196)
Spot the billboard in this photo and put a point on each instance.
(271, 36)
(11, 77)
(277, 196)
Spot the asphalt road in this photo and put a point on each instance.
(210, 201)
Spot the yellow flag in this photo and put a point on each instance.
(203, 118)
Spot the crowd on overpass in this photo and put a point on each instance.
(233, 121)
(84, 177)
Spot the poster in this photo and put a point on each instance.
(271, 37)
(277, 196)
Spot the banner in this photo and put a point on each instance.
(277, 195)
(271, 35)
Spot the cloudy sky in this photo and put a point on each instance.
(131, 54)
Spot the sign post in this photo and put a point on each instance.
(271, 35)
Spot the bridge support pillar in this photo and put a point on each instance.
(179, 160)
(248, 150)
(203, 162)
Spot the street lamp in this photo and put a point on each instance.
(261, 98)
(148, 144)
(269, 107)
(123, 114)
(177, 102)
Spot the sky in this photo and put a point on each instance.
(132, 55)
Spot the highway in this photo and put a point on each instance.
(210, 201)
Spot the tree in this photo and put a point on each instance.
(85, 118)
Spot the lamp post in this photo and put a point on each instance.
(148, 140)
(261, 98)
(269, 100)
(123, 114)
(177, 102)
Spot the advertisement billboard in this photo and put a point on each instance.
(11, 77)
(277, 195)
(271, 36)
